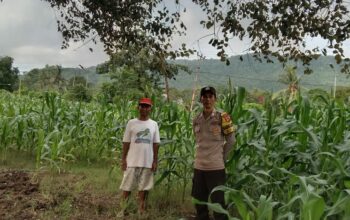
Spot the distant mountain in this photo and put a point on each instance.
(89, 73)
(251, 74)
(248, 73)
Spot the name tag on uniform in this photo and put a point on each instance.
(215, 130)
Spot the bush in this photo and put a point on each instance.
(79, 93)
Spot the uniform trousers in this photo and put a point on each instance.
(203, 183)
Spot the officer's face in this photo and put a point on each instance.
(208, 100)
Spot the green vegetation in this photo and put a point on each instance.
(47, 78)
(290, 159)
(253, 74)
(8, 74)
(78, 191)
(137, 72)
(248, 73)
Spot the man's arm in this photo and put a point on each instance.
(126, 146)
(229, 133)
(228, 146)
(155, 156)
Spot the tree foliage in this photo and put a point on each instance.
(8, 74)
(79, 92)
(137, 72)
(290, 77)
(275, 28)
(47, 78)
(78, 80)
(280, 28)
(119, 23)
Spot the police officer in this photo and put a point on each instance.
(214, 135)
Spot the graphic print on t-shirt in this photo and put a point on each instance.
(143, 136)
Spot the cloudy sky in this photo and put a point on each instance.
(28, 33)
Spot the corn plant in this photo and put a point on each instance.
(295, 156)
(291, 159)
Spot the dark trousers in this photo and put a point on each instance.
(203, 183)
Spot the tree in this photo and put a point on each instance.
(275, 28)
(343, 93)
(78, 89)
(138, 72)
(8, 74)
(79, 92)
(290, 78)
(78, 80)
(49, 77)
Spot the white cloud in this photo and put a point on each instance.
(29, 34)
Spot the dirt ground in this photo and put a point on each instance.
(26, 195)
(19, 197)
(22, 198)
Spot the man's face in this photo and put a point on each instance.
(144, 110)
(208, 100)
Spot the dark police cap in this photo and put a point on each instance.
(208, 89)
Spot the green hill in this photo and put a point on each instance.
(248, 73)
(89, 73)
(251, 74)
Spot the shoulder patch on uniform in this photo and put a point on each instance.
(226, 124)
(226, 117)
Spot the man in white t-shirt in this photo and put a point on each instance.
(140, 153)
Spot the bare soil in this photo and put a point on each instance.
(22, 198)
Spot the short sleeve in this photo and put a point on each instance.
(156, 137)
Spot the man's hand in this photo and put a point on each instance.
(124, 165)
(126, 146)
(154, 166)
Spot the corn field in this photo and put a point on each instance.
(291, 159)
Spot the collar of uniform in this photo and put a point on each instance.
(211, 115)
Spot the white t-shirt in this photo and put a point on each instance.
(141, 135)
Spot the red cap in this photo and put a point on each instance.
(147, 101)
